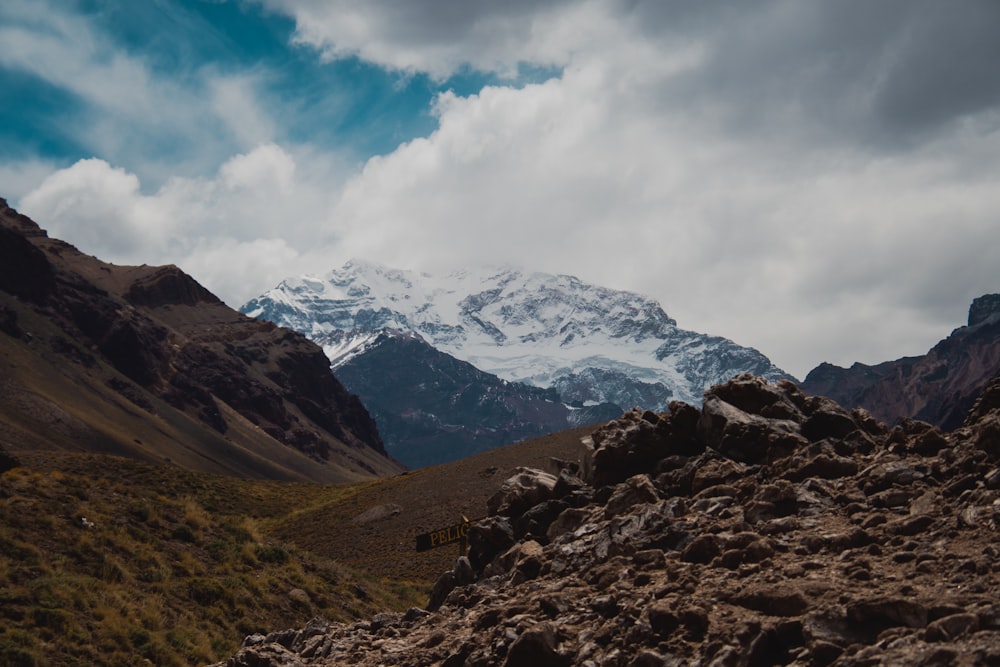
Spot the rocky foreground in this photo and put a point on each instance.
(767, 528)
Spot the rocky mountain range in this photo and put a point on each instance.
(142, 361)
(767, 527)
(938, 387)
(509, 333)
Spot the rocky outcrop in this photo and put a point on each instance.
(168, 285)
(159, 368)
(768, 528)
(938, 387)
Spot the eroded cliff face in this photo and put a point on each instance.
(153, 340)
(767, 528)
(938, 387)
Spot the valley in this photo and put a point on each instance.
(182, 484)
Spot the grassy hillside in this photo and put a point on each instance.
(109, 561)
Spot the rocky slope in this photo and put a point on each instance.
(938, 387)
(766, 528)
(432, 408)
(144, 362)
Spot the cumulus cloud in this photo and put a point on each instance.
(99, 206)
(239, 232)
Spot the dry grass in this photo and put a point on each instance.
(179, 566)
(175, 569)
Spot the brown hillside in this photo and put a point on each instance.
(376, 527)
(144, 362)
(938, 387)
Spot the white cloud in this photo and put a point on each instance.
(158, 123)
(768, 171)
(18, 177)
(234, 100)
(238, 269)
(239, 232)
(267, 165)
(98, 206)
(809, 250)
(440, 38)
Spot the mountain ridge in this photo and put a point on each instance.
(522, 326)
(143, 361)
(432, 407)
(938, 387)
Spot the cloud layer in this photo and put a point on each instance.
(815, 180)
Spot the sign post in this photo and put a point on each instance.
(447, 535)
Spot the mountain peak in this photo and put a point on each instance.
(523, 326)
(983, 308)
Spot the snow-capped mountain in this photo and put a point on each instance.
(593, 344)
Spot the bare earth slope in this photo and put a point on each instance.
(766, 528)
(146, 363)
(375, 529)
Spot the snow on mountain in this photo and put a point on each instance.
(593, 343)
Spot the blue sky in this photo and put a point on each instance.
(346, 104)
(817, 180)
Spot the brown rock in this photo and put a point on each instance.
(703, 549)
(526, 488)
(487, 539)
(442, 587)
(536, 647)
(951, 627)
(825, 466)
(742, 436)
(634, 491)
(877, 614)
(777, 601)
(756, 396)
(826, 420)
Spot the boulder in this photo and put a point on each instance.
(487, 539)
(826, 420)
(755, 395)
(875, 614)
(635, 490)
(526, 488)
(536, 647)
(743, 436)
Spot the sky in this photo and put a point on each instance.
(820, 181)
